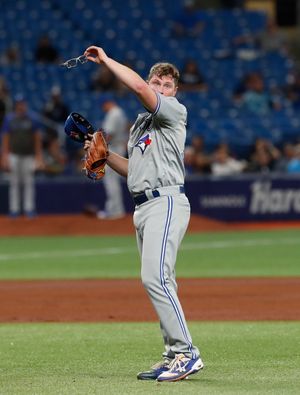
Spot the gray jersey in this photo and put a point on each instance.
(115, 124)
(156, 147)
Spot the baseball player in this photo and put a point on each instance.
(21, 156)
(115, 126)
(155, 178)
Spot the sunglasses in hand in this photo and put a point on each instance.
(74, 61)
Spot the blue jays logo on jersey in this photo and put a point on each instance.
(144, 142)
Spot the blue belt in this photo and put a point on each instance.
(142, 197)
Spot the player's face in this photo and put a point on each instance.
(164, 85)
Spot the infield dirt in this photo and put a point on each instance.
(126, 300)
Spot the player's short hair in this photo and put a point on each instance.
(161, 69)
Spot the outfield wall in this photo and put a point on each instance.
(242, 198)
(246, 198)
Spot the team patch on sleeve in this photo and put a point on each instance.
(144, 142)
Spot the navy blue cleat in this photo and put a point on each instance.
(180, 368)
(155, 370)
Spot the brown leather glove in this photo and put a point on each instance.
(96, 156)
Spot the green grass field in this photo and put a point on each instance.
(240, 357)
(273, 253)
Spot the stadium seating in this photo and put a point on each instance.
(141, 32)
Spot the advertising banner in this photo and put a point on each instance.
(246, 198)
(243, 198)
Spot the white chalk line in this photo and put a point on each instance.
(210, 245)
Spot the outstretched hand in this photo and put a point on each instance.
(95, 54)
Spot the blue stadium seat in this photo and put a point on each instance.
(129, 31)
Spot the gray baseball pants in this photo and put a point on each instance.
(160, 226)
(21, 175)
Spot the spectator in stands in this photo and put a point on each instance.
(223, 164)
(196, 159)
(269, 40)
(190, 21)
(241, 88)
(56, 109)
(191, 78)
(103, 80)
(62, 154)
(294, 164)
(264, 156)
(11, 56)
(292, 90)
(55, 113)
(272, 39)
(288, 152)
(21, 155)
(256, 98)
(290, 160)
(54, 157)
(45, 51)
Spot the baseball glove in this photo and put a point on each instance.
(96, 157)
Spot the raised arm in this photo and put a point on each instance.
(126, 75)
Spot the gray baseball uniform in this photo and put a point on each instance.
(115, 124)
(155, 180)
